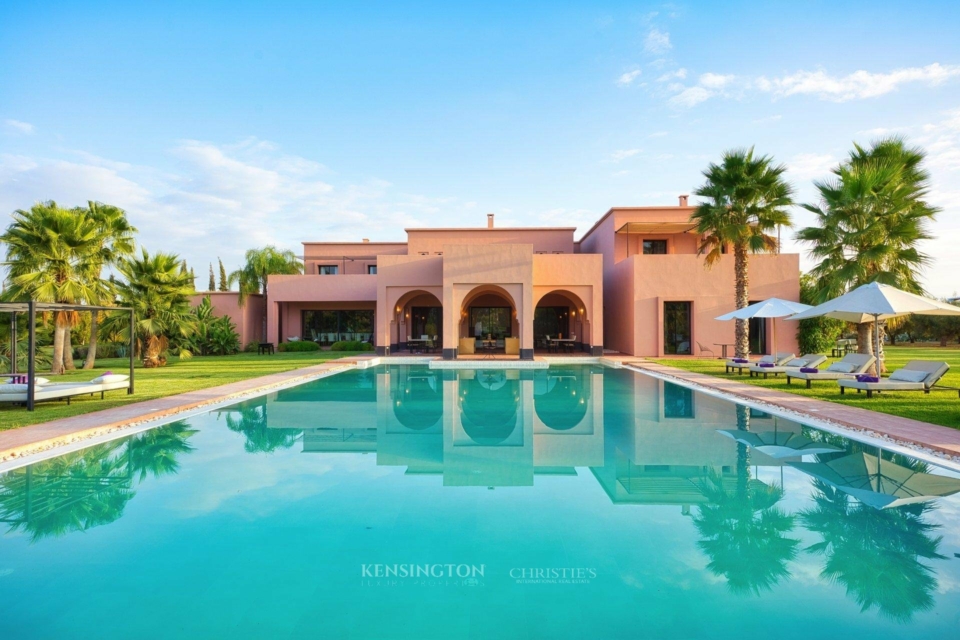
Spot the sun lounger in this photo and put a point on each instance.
(778, 360)
(61, 390)
(792, 366)
(849, 367)
(916, 375)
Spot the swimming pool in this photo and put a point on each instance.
(399, 501)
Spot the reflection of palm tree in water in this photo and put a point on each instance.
(742, 531)
(259, 438)
(875, 553)
(88, 488)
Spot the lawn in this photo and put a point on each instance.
(177, 377)
(940, 407)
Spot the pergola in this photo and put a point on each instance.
(31, 309)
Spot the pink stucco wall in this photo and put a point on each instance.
(542, 240)
(248, 318)
(350, 258)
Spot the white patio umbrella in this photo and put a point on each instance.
(773, 308)
(877, 302)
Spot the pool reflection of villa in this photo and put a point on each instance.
(503, 427)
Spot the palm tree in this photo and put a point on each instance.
(260, 264)
(746, 198)
(871, 216)
(52, 254)
(158, 288)
(115, 241)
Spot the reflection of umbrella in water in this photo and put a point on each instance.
(880, 483)
(779, 444)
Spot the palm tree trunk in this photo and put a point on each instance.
(56, 365)
(92, 349)
(865, 338)
(68, 364)
(742, 335)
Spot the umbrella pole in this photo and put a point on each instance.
(876, 340)
(773, 351)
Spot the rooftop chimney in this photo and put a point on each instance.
(489, 221)
(683, 201)
(366, 239)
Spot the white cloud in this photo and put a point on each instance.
(18, 126)
(691, 96)
(857, 85)
(628, 77)
(657, 41)
(224, 199)
(715, 80)
(679, 74)
(811, 166)
(623, 154)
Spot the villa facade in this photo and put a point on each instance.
(632, 284)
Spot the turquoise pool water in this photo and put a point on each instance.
(399, 502)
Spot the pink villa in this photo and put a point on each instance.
(632, 284)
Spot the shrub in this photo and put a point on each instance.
(302, 345)
(351, 345)
(251, 347)
(816, 335)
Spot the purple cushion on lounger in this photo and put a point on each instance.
(867, 378)
(741, 360)
(809, 370)
(766, 364)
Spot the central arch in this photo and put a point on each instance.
(489, 312)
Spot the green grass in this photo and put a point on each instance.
(177, 377)
(940, 407)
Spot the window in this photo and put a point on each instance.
(426, 321)
(551, 321)
(327, 327)
(676, 328)
(328, 269)
(652, 247)
(372, 269)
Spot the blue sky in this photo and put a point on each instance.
(232, 125)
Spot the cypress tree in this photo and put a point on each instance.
(212, 285)
(224, 285)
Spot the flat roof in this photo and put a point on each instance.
(491, 229)
(360, 242)
(596, 224)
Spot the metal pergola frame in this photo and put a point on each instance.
(31, 309)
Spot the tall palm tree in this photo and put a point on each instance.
(260, 264)
(746, 198)
(158, 288)
(115, 241)
(871, 216)
(52, 255)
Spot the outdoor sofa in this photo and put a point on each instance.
(849, 367)
(916, 375)
(779, 360)
(792, 366)
(45, 390)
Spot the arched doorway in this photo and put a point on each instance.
(488, 316)
(561, 323)
(417, 323)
